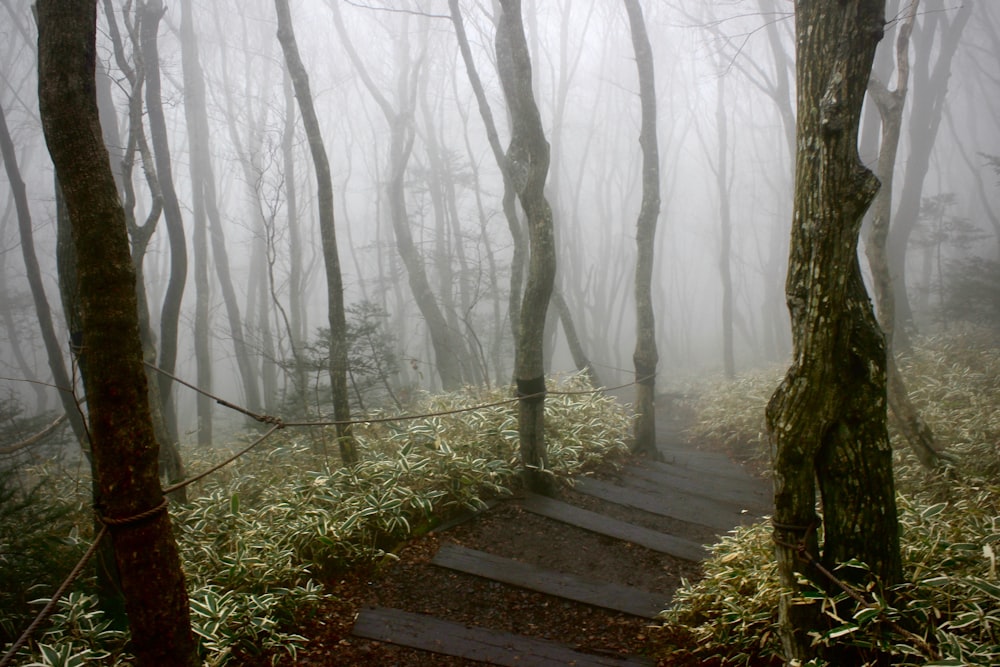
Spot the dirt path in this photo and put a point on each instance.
(515, 552)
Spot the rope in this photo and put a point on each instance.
(802, 551)
(218, 466)
(142, 516)
(53, 601)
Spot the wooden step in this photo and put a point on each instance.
(603, 525)
(722, 513)
(473, 643)
(744, 489)
(606, 595)
(675, 507)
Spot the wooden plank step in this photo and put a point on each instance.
(494, 647)
(714, 463)
(743, 483)
(656, 503)
(737, 494)
(695, 505)
(604, 525)
(560, 584)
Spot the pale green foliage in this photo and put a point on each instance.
(950, 527)
(256, 534)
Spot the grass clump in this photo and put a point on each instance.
(947, 611)
(257, 536)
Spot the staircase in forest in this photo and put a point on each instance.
(672, 508)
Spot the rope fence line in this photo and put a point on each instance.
(276, 424)
(50, 606)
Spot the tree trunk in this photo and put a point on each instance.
(447, 350)
(150, 14)
(827, 419)
(520, 253)
(890, 109)
(53, 349)
(528, 163)
(645, 357)
(124, 448)
(198, 145)
(930, 90)
(334, 281)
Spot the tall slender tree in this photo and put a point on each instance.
(123, 445)
(827, 419)
(528, 165)
(324, 189)
(645, 357)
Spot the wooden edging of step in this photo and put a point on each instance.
(620, 530)
(429, 633)
(634, 601)
(674, 506)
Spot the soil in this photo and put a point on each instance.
(409, 582)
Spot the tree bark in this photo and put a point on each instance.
(528, 163)
(124, 447)
(645, 357)
(334, 281)
(827, 419)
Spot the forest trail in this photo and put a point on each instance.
(571, 580)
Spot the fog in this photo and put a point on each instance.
(725, 118)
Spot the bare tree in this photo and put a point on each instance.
(334, 281)
(528, 164)
(123, 444)
(890, 107)
(645, 358)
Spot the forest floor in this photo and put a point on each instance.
(407, 580)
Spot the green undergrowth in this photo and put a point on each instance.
(257, 536)
(947, 611)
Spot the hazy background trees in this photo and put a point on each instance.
(252, 318)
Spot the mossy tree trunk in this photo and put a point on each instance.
(827, 419)
(124, 448)
(528, 164)
(324, 191)
(645, 357)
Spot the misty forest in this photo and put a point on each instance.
(300, 299)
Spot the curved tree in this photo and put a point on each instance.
(324, 189)
(827, 419)
(528, 165)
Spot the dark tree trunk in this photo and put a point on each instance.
(827, 420)
(528, 164)
(324, 189)
(124, 447)
(645, 357)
